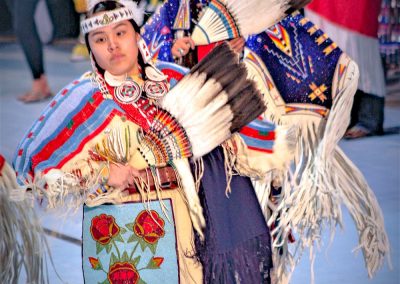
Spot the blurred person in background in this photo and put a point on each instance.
(353, 25)
(168, 33)
(26, 32)
(389, 37)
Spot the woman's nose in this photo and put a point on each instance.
(112, 44)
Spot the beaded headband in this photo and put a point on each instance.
(106, 19)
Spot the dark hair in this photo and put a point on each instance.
(109, 6)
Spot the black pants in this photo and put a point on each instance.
(23, 13)
(368, 112)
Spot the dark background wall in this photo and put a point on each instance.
(5, 19)
(62, 13)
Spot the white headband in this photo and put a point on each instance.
(106, 19)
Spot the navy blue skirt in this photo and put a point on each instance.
(237, 246)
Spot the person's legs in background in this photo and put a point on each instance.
(355, 108)
(367, 116)
(28, 37)
(371, 113)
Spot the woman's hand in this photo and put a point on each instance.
(121, 176)
(237, 44)
(182, 46)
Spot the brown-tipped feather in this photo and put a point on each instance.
(212, 61)
(246, 107)
(234, 89)
(212, 64)
(239, 103)
(247, 117)
(232, 74)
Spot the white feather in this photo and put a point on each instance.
(206, 145)
(209, 135)
(204, 95)
(250, 17)
(173, 101)
(195, 209)
(206, 114)
(194, 99)
(255, 16)
(198, 111)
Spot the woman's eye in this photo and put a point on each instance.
(121, 33)
(100, 39)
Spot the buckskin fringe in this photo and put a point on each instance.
(240, 265)
(23, 245)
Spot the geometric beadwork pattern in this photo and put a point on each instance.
(300, 58)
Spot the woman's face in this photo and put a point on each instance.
(115, 48)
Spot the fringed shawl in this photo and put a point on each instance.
(58, 154)
(23, 246)
(309, 83)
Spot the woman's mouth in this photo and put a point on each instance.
(116, 57)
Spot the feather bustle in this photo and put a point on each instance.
(221, 100)
(227, 19)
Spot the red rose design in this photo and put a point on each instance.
(103, 228)
(123, 273)
(149, 227)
